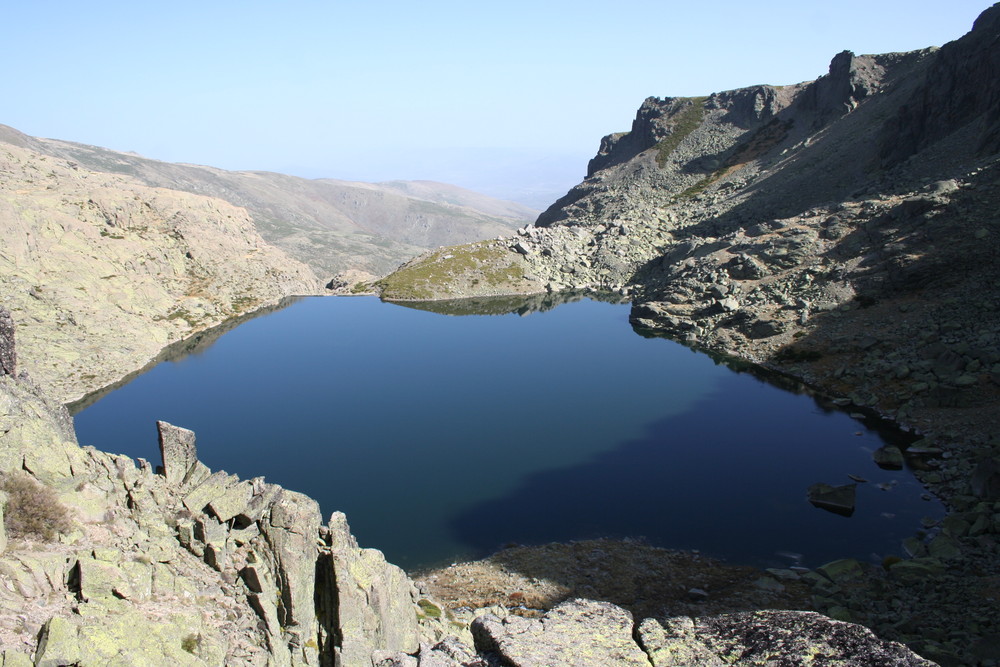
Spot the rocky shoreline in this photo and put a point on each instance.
(842, 231)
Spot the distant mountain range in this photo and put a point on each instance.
(330, 225)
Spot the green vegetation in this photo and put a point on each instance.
(243, 304)
(428, 609)
(361, 288)
(482, 265)
(107, 234)
(191, 643)
(33, 509)
(687, 122)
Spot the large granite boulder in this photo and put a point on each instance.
(578, 632)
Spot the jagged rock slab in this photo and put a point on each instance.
(583, 633)
(372, 601)
(178, 452)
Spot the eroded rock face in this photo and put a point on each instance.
(177, 450)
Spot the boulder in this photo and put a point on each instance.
(836, 499)
(769, 638)
(985, 480)
(178, 451)
(888, 457)
(583, 633)
(58, 644)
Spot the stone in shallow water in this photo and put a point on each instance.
(836, 499)
(888, 458)
(839, 571)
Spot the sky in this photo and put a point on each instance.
(510, 98)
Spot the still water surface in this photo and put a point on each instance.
(447, 437)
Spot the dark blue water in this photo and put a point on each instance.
(447, 437)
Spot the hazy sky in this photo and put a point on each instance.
(471, 92)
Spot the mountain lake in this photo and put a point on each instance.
(444, 437)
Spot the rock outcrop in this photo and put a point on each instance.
(195, 568)
(761, 638)
(585, 632)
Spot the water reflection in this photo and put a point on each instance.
(504, 305)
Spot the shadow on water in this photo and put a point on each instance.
(194, 344)
(686, 484)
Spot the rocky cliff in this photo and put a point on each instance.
(182, 565)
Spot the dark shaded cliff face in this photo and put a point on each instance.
(959, 90)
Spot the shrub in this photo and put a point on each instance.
(191, 643)
(32, 508)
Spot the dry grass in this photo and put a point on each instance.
(32, 508)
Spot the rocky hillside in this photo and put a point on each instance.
(844, 231)
(331, 225)
(101, 271)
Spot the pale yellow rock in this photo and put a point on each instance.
(101, 272)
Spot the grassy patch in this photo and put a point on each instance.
(490, 265)
(428, 609)
(687, 122)
(361, 288)
(191, 643)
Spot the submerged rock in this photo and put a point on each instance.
(836, 499)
